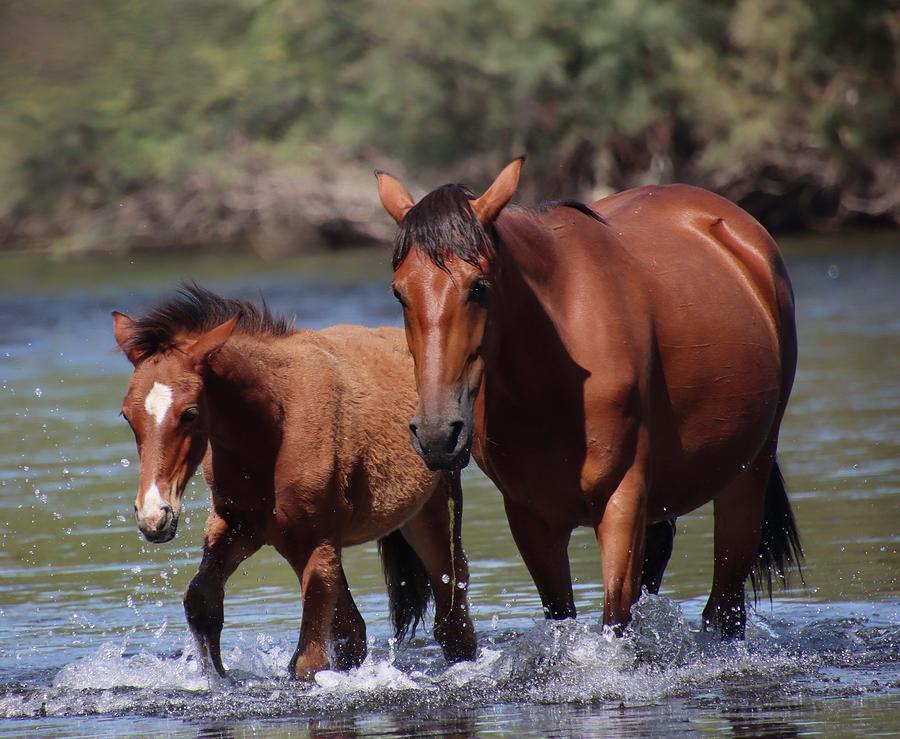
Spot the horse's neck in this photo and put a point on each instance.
(524, 340)
(243, 401)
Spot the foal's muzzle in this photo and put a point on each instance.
(157, 520)
(162, 530)
(442, 445)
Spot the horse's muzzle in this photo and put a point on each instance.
(442, 446)
(162, 529)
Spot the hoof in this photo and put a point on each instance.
(305, 668)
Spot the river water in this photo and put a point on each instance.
(92, 636)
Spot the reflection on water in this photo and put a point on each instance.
(90, 615)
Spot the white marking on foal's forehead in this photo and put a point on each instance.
(158, 401)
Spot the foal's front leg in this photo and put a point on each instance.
(321, 578)
(435, 534)
(224, 548)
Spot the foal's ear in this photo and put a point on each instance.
(495, 198)
(123, 330)
(213, 340)
(394, 196)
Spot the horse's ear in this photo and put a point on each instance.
(213, 340)
(495, 198)
(123, 330)
(394, 196)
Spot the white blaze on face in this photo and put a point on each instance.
(153, 501)
(158, 401)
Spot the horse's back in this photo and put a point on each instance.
(650, 219)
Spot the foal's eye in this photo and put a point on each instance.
(189, 415)
(479, 293)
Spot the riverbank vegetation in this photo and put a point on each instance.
(127, 124)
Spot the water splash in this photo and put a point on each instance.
(659, 657)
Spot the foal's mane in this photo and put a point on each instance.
(443, 224)
(195, 310)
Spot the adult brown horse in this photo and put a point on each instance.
(303, 443)
(614, 367)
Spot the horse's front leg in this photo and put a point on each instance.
(321, 578)
(545, 550)
(224, 548)
(621, 532)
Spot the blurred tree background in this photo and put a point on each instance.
(126, 123)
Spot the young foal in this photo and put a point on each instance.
(302, 435)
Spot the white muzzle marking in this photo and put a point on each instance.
(158, 401)
(153, 502)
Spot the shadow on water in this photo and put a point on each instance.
(92, 636)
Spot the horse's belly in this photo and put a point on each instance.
(714, 423)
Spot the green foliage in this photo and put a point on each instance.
(107, 99)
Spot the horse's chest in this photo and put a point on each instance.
(537, 467)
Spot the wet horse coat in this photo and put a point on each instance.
(612, 367)
(303, 443)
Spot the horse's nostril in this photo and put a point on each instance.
(414, 429)
(167, 509)
(455, 430)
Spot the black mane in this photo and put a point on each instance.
(443, 224)
(195, 310)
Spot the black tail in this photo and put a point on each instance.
(779, 548)
(409, 589)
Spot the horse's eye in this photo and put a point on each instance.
(479, 293)
(399, 298)
(189, 415)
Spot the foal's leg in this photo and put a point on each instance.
(320, 576)
(738, 512)
(224, 548)
(660, 537)
(545, 551)
(349, 630)
(621, 532)
(437, 539)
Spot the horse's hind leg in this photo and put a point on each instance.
(435, 534)
(738, 512)
(224, 548)
(349, 629)
(660, 538)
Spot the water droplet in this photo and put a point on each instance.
(833, 271)
(124, 462)
(38, 392)
(445, 578)
(461, 585)
(495, 621)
